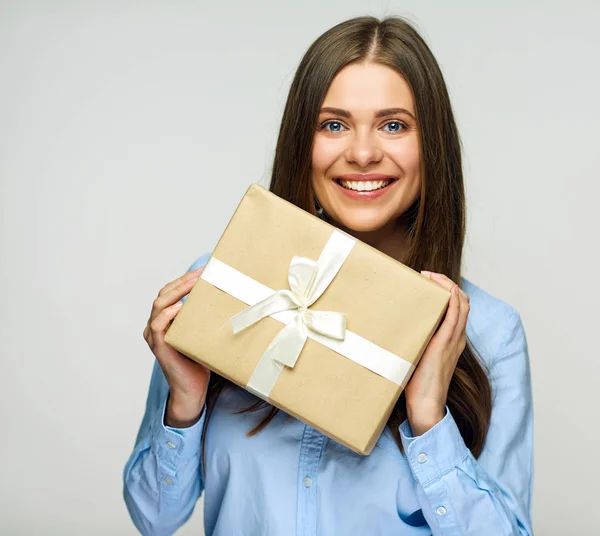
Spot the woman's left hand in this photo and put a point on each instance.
(427, 389)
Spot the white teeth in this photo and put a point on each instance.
(364, 186)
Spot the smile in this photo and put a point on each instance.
(364, 186)
(365, 189)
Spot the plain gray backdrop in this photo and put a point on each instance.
(129, 132)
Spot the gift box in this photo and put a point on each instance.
(310, 319)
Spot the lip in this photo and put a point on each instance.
(366, 177)
(366, 196)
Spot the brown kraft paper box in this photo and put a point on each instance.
(385, 302)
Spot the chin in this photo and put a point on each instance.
(362, 223)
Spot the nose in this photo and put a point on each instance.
(363, 149)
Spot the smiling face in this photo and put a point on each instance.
(366, 155)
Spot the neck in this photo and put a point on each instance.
(390, 239)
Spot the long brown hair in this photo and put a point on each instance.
(436, 219)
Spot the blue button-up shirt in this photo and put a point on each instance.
(290, 479)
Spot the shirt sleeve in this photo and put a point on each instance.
(491, 495)
(162, 479)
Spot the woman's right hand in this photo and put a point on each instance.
(187, 379)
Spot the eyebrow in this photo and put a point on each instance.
(381, 113)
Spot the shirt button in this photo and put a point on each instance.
(422, 457)
(167, 481)
(171, 445)
(441, 511)
(307, 482)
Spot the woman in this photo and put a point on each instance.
(369, 143)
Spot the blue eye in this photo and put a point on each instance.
(395, 123)
(328, 123)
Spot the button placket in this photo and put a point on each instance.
(311, 448)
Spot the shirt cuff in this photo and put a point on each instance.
(175, 445)
(436, 452)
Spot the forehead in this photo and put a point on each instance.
(369, 87)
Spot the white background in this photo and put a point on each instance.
(129, 132)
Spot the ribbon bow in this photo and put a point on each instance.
(308, 279)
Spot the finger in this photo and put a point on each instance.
(443, 280)
(172, 296)
(464, 314)
(464, 295)
(449, 325)
(148, 334)
(180, 280)
(150, 339)
(446, 282)
(159, 325)
(458, 308)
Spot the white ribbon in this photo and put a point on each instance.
(307, 280)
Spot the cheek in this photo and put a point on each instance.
(407, 156)
(324, 155)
